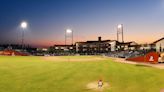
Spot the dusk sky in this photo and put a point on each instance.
(143, 20)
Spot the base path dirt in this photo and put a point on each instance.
(162, 90)
(122, 60)
(73, 59)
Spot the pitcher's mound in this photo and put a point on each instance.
(94, 86)
(162, 90)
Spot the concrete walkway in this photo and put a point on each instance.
(122, 60)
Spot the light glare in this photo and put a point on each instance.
(24, 25)
(68, 31)
(120, 26)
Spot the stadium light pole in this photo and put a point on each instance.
(68, 31)
(23, 26)
(120, 28)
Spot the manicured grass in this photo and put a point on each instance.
(34, 74)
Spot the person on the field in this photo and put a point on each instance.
(100, 83)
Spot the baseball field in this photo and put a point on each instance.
(76, 74)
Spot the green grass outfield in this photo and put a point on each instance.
(37, 74)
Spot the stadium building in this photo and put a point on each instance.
(104, 46)
(94, 47)
(62, 49)
(159, 45)
(124, 46)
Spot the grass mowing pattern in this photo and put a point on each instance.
(34, 74)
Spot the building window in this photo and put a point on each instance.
(84, 45)
(56, 47)
(70, 47)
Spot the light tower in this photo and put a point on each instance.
(23, 26)
(120, 32)
(68, 32)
